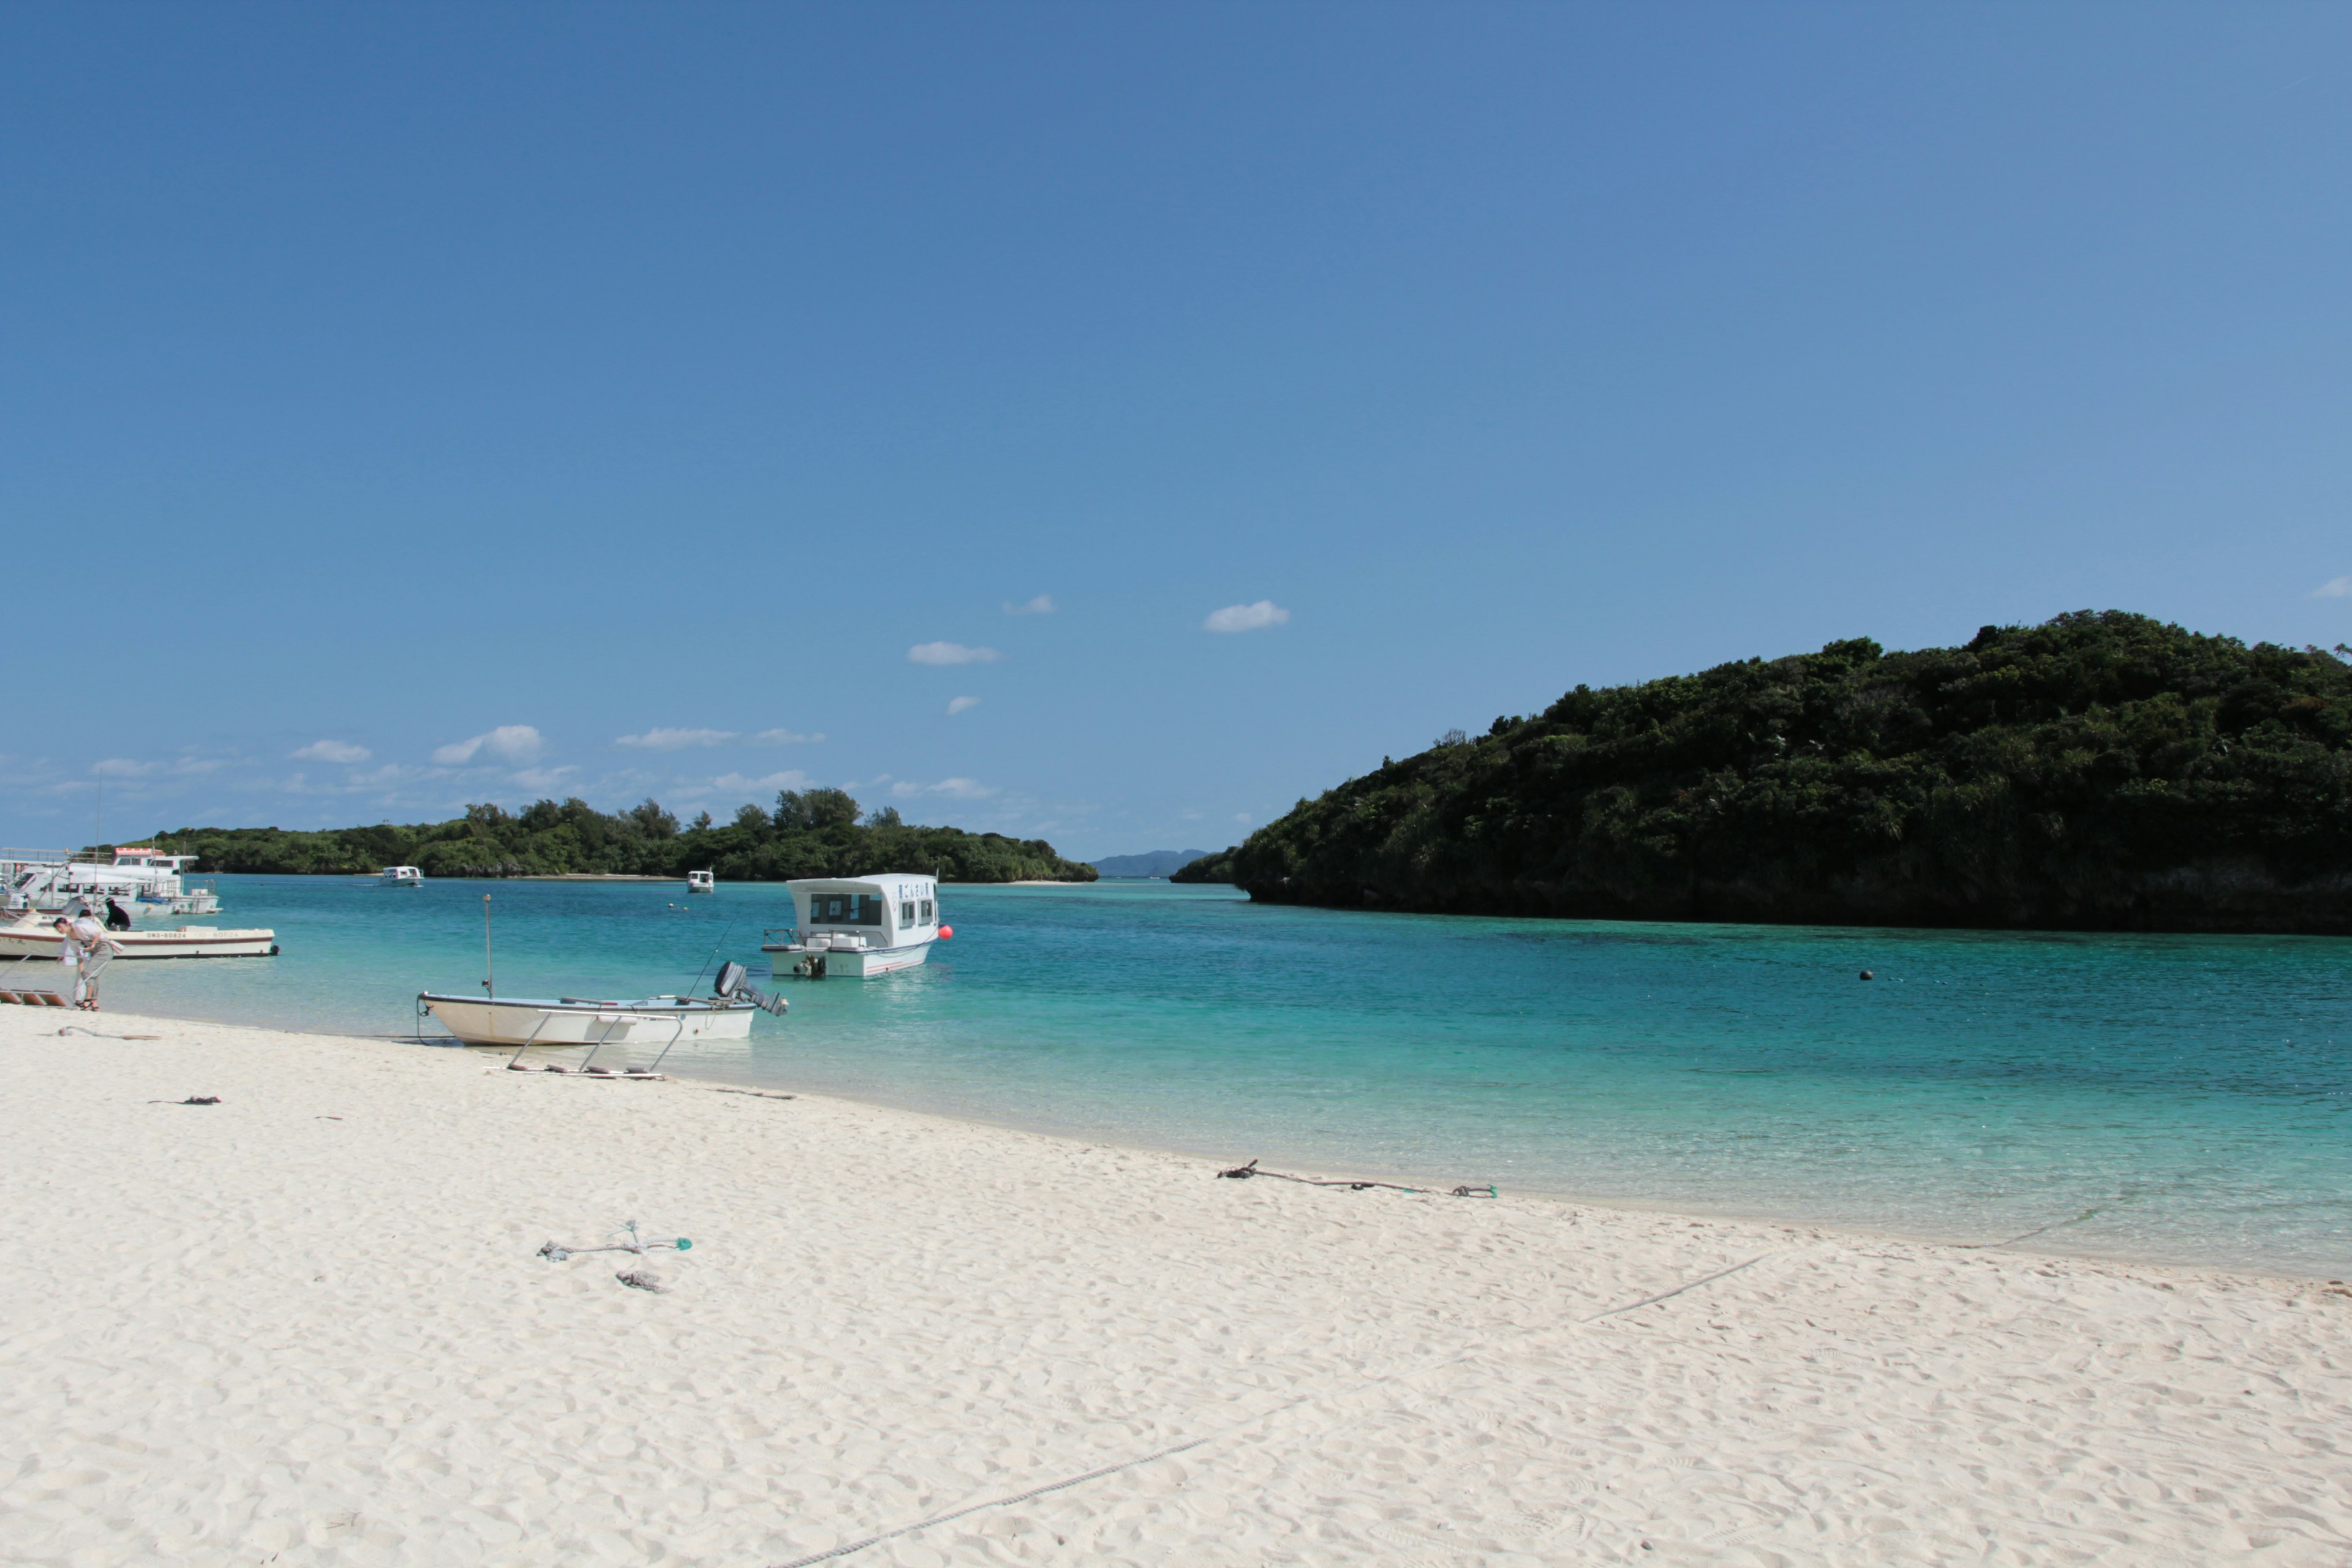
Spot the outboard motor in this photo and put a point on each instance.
(733, 984)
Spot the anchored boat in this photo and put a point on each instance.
(401, 877)
(663, 1021)
(145, 881)
(857, 926)
(37, 936)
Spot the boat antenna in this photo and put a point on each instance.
(714, 952)
(492, 985)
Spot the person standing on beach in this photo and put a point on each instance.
(88, 951)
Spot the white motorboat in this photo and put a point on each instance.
(145, 882)
(857, 926)
(36, 935)
(590, 1021)
(401, 877)
(702, 882)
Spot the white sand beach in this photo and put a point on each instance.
(310, 1324)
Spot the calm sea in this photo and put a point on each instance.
(2184, 1098)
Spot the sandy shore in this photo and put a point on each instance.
(308, 1325)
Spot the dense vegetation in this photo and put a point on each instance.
(811, 833)
(2102, 770)
(1217, 867)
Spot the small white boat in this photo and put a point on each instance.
(401, 877)
(37, 936)
(702, 882)
(857, 926)
(590, 1021)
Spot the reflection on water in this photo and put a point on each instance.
(2173, 1097)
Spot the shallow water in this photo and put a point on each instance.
(2184, 1098)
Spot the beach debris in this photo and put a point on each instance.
(643, 1279)
(97, 1034)
(756, 1093)
(1243, 1173)
(556, 1252)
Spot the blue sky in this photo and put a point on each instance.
(400, 407)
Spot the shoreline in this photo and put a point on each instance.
(1371, 1169)
(319, 1308)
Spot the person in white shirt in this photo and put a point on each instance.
(87, 949)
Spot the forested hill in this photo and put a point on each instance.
(2100, 772)
(811, 833)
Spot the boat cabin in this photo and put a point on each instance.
(402, 876)
(702, 882)
(859, 925)
(888, 911)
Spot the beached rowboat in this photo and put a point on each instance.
(585, 1021)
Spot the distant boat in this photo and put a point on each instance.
(402, 876)
(702, 882)
(37, 936)
(858, 926)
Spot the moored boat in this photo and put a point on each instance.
(702, 882)
(145, 882)
(37, 936)
(857, 926)
(401, 877)
(588, 1021)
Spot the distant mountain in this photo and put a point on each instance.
(1157, 863)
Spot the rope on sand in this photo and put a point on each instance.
(844, 1549)
(1243, 1172)
(96, 1035)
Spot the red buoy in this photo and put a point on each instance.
(945, 932)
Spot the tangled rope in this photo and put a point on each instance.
(1243, 1172)
(97, 1034)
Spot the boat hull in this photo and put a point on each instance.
(479, 1021)
(186, 942)
(790, 961)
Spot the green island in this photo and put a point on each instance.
(2102, 770)
(811, 833)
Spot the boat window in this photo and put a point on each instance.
(906, 914)
(926, 911)
(845, 910)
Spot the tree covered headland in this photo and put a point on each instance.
(2100, 772)
(811, 833)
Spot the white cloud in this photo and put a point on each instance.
(508, 742)
(1241, 816)
(954, 789)
(787, 738)
(332, 752)
(791, 778)
(543, 778)
(674, 740)
(950, 653)
(961, 705)
(123, 768)
(1043, 604)
(1247, 617)
(2334, 588)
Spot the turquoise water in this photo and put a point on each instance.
(2195, 1091)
